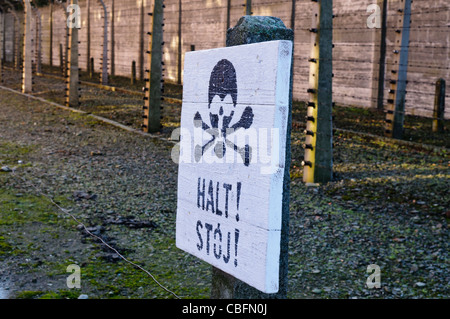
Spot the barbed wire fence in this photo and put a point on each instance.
(203, 27)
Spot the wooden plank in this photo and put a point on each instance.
(229, 209)
(249, 93)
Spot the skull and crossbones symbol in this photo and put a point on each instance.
(222, 100)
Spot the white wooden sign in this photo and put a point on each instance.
(232, 158)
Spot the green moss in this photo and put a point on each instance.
(5, 247)
(27, 208)
(8, 148)
(61, 294)
(11, 153)
(29, 294)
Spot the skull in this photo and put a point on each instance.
(222, 99)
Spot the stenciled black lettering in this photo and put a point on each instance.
(227, 190)
(218, 211)
(201, 194)
(210, 200)
(226, 258)
(200, 244)
(209, 228)
(236, 240)
(217, 236)
(238, 199)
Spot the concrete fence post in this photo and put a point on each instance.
(38, 44)
(154, 77)
(2, 35)
(64, 61)
(380, 53)
(179, 66)
(50, 43)
(133, 72)
(88, 37)
(318, 160)
(248, 7)
(113, 41)
(72, 79)
(27, 80)
(104, 59)
(61, 59)
(91, 68)
(439, 107)
(141, 41)
(17, 36)
(395, 111)
(228, 14)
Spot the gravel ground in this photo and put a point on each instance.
(389, 206)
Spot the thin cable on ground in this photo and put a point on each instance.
(67, 212)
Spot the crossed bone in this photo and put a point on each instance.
(220, 146)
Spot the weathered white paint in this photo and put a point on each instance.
(263, 77)
(4, 289)
(3, 293)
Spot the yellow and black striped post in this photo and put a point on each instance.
(439, 107)
(318, 160)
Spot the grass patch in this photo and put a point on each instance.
(60, 294)
(11, 153)
(185, 275)
(5, 247)
(19, 208)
